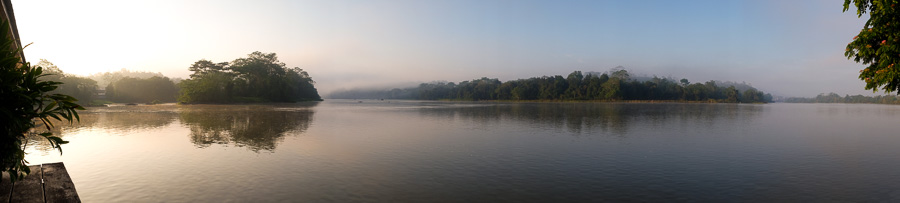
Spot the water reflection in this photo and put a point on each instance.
(262, 127)
(414, 151)
(130, 119)
(256, 127)
(610, 118)
(117, 120)
(121, 118)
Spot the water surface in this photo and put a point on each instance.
(388, 151)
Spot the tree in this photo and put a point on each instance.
(876, 45)
(26, 104)
(258, 78)
(526, 91)
(593, 90)
(104, 79)
(752, 95)
(732, 95)
(82, 88)
(504, 92)
(575, 90)
(149, 90)
(612, 89)
(215, 87)
(204, 66)
(620, 73)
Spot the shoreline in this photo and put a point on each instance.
(569, 101)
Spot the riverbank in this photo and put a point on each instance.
(603, 101)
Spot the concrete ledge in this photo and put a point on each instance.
(47, 183)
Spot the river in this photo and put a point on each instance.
(427, 151)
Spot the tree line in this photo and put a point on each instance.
(616, 85)
(835, 98)
(105, 78)
(259, 77)
(121, 89)
(148, 90)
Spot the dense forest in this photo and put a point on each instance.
(81, 88)
(613, 86)
(117, 87)
(258, 78)
(136, 90)
(105, 78)
(835, 98)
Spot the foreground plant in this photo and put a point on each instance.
(26, 106)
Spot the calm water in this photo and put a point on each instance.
(380, 151)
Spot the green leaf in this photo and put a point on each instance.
(50, 106)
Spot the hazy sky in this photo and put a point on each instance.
(791, 48)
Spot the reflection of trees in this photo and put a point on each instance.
(615, 118)
(135, 120)
(119, 118)
(122, 119)
(570, 116)
(257, 127)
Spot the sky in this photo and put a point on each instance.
(788, 48)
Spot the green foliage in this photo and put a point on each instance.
(258, 78)
(577, 86)
(82, 88)
(876, 45)
(135, 90)
(207, 88)
(26, 104)
(611, 89)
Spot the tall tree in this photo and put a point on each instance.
(876, 45)
(204, 66)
